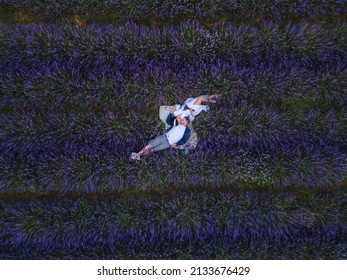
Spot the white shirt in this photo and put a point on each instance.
(175, 134)
(185, 113)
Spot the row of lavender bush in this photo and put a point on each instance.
(258, 225)
(73, 99)
(283, 87)
(105, 49)
(104, 171)
(116, 10)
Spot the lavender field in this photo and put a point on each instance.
(268, 178)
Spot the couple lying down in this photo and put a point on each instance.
(177, 133)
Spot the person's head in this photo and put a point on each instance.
(184, 121)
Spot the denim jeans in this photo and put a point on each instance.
(159, 143)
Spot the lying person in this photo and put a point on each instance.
(194, 106)
(177, 134)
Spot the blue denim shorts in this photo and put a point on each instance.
(159, 143)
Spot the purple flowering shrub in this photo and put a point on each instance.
(236, 224)
(108, 49)
(121, 11)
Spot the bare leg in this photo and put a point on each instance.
(146, 150)
(200, 100)
(211, 99)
